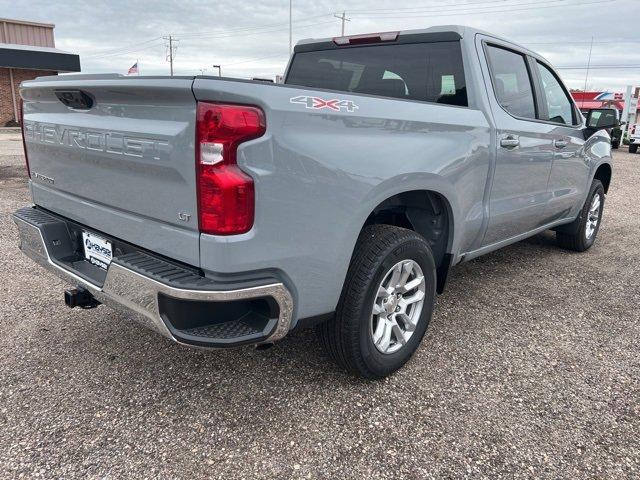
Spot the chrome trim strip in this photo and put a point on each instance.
(137, 295)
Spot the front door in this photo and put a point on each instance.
(570, 169)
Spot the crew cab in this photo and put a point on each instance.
(221, 212)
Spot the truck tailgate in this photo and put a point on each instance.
(125, 165)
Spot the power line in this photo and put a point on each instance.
(449, 5)
(455, 8)
(242, 29)
(564, 42)
(255, 59)
(257, 32)
(248, 60)
(227, 33)
(597, 67)
(124, 52)
(125, 47)
(466, 8)
(480, 12)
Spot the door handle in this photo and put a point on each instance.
(560, 143)
(510, 141)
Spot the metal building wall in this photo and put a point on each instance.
(26, 33)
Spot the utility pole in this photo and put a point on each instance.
(171, 51)
(171, 54)
(219, 69)
(344, 18)
(290, 28)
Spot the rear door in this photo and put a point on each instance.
(524, 150)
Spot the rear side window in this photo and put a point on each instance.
(559, 106)
(511, 81)
(429, 72)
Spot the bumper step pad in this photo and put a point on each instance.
(173, 299)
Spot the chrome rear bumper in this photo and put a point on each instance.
(137, 295)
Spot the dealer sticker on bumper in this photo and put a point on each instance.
(97, 249)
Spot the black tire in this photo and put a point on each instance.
(574, 236)
(615, 145)
(633, 148)
(347, 336)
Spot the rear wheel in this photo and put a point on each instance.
(581, 234)
(633, 148)
(386, 302)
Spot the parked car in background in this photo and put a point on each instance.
(616, 137)
(223, 212)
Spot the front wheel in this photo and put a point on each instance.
(581, 234)
(385, 305)
(633, 148)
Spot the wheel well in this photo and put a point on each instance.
(603, 173)
(426, 213)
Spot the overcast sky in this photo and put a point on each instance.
(250, 38)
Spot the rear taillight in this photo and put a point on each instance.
(24, 143)
(226, 200)
(633, 130)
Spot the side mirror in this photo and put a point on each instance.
(602, 118)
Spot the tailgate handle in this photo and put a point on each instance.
(76, 99)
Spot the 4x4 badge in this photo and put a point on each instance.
(317, 103)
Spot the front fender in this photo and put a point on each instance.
(598, 152)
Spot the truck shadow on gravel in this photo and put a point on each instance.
(299, 358)
(12, 172)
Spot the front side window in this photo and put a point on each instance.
(430, 72)
(511, 81)
(558, 104)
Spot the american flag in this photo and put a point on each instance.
(133, 69)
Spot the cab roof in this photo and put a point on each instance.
(435, 33)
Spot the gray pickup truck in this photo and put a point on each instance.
(222, 212)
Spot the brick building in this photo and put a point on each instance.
(27, 50)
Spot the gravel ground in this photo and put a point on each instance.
(530, 368)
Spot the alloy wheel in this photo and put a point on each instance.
(397, 306)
